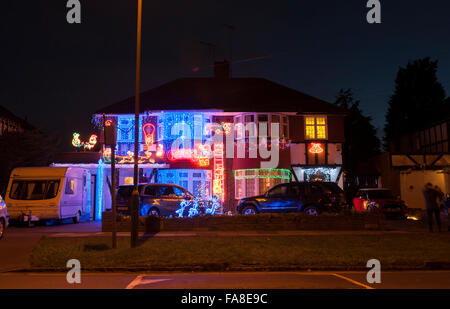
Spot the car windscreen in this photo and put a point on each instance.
(34, 189)
(375, 194)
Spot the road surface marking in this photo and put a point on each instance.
(135, 282)
(138, 281)
(354, 282)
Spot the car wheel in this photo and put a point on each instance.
(2, 228)
(153, 212)
(76, 219)
(249, 210)
(311, 211)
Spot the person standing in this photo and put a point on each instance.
(447, 210)
(431, 196)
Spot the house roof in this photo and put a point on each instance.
(227, 94)
(5, 113)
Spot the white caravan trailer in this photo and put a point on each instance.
(43, 193)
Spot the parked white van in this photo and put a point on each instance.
(43, 193)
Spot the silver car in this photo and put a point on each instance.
(4, 217)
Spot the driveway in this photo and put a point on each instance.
(18, 242)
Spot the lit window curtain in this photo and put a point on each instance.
(310, 130)
(250, 187)
(239, 188)
(321, 128)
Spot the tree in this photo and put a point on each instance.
(418, 100)
(361, 140)
(24, 149)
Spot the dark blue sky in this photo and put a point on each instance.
(58, 74)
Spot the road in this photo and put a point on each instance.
(247, 280)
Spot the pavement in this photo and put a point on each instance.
(18, 242)
(247, 280)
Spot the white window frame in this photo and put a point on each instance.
(269, 123)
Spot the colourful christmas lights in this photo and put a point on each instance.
(263, 174)
(219, 171)
(160, 151)
(89, 145)
(149, 130)
(316, 148)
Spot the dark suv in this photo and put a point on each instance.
(311, 198)
(155, 199)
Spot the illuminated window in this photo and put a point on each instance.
(315, 127)
(251, 182)
(70, 186)
(128, 180)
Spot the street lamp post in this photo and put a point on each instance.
(135, 195)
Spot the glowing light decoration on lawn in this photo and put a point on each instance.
(149, 130)
(198, 206)
(183, 205)
(215, 206)
(316, 148)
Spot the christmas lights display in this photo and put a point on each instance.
(89, 145)
(223, 128)
(219, 172)
(128, 158)
(199, 205)
(199, 155)
(160, 151)
(191, 125)
(149, 130)
(284, 174)
(316, 148)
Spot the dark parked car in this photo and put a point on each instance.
(155, 199)
(380, 200)
(311, 198)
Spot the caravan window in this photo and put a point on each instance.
(34, 190)
(70, 186)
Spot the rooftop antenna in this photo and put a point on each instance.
(231, 28)
(211, 50)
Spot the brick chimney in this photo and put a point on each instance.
(222, 69)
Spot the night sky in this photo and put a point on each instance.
(57, 74)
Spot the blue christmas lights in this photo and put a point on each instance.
(99, 190)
